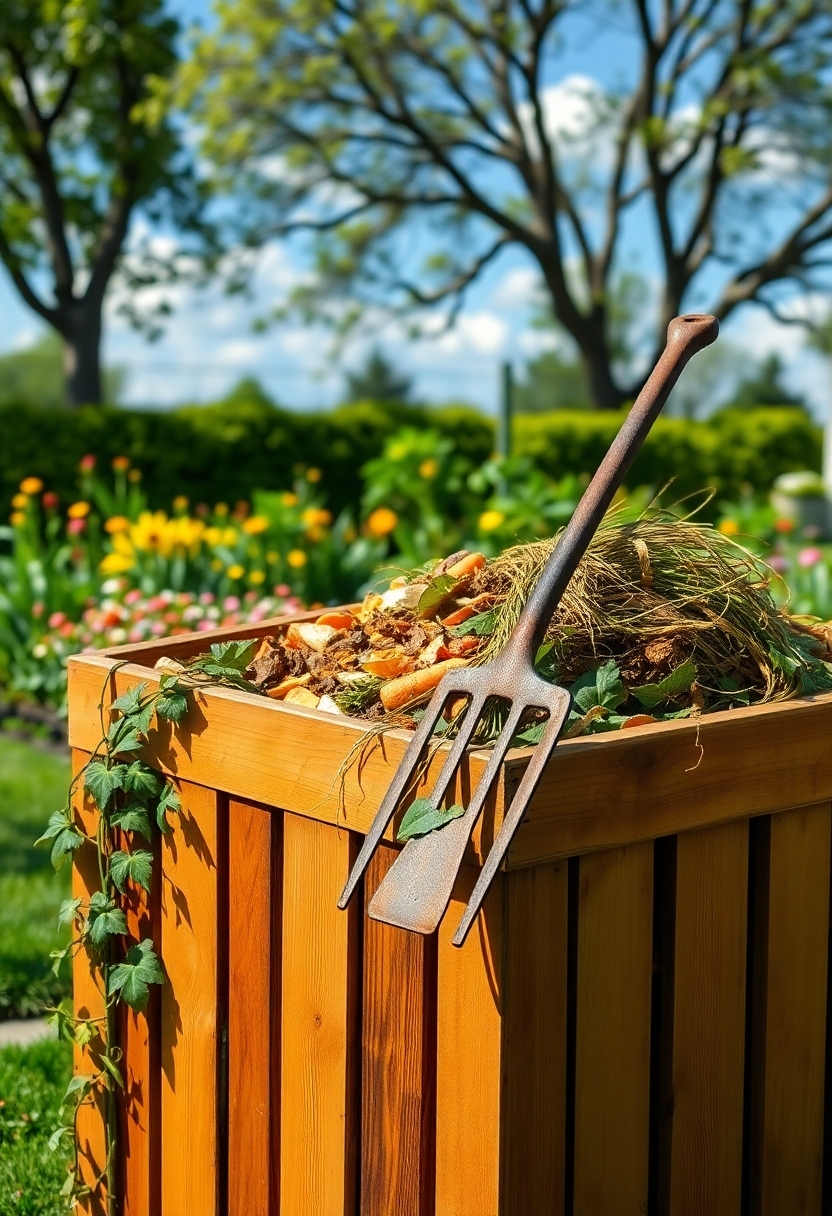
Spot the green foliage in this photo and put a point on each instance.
(422, 817)
(33, 1081)
(765, 387)
(133, 977)
(552, 381)
(34, 377)
(378, 380)
(677, 682)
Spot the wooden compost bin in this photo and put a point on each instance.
(636, 1024)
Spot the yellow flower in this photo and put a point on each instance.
(20, 501)
(221, 508)
(121, 463)
(213, 536)
(134, 475)
(216, 564)
(117, 523)
(235, 571)
(314, 476)
(296, 558)
(31, 485)
(428, 469)
(382, 521)
(288, 499)
(115, 563)
(314, 534)
(18, 519)
(257, 577)
(78, 510)
(255, 524)
(180, 503)
(316, 516)
(151, 532)
(490, 520)
(397, 450)
(229, 536)
(728, 527)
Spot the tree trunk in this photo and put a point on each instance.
(606, 394)
(81, 333)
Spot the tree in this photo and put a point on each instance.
(552, 381)
(84, 142)
(378, 380)
(764, 387)
(383, 128)
(35, 376)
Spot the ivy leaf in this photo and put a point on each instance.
(131, 701)
(169, 801)
(601, 687)
(58, 957)
(137, 866)
(139, 779)
(58, 1135)
(482, 625)
(102, 782)
(112, 1068)
(422, 817)
(104, 920)
(132, 818)
(68, 911)
(133, 977)
(435, 594)
(65, 839)
(122, 737)
(678, 681)
(234, 655)
(140, 721)
(172, 705)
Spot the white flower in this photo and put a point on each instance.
(40, 651)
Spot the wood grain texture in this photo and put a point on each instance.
(533, 1113)
(595, 793)
(319, 1090)
(468, 1057)
(398, 1064)
(790, 1048)
(612, 1067)
(707, 1070)
(140, 1105)
(189, 1006)
(88, 1003)
(253, 958)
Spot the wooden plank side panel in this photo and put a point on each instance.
(612, 1075)
(253, 961)
(707, 1070)
(398, 1058)
(319, 1091)
(468, 1064)
(786, 1174)
(533, 1116)
(190, 932)
(88, 1003)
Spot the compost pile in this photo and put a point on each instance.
(664, 618)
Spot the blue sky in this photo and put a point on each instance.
(209, 342)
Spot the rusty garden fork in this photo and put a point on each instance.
(416, 889)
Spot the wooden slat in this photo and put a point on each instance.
(791, 1010)
(253, 991)
(469, 1002)
(707, 1072)
(612, 1070)
(533, 1115)
(595, 794)
(139, 1144)
(88, 1003)
(398, 1064)
(189, 1006)
(319, 1117)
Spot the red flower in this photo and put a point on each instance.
(87, 463)
(784, 525)
(50, 500)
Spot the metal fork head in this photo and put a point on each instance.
(416, 890)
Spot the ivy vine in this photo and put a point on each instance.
(134, 802)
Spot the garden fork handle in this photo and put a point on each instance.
(685, 336)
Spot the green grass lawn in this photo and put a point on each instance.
(32, 1084)
(33, 783)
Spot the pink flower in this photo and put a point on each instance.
(76, 526)
(809, 557)
(133, 597)
(87, 463)
(56, 620)
(282, 589)
(202, 625)
(207, 597)
(230, 603)
(778, 563)
(135, 635)
(67, 629)
(37, 610)
(158, 629)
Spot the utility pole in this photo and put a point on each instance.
(506, 408)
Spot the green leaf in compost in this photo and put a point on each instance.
(133, 977)
(677, 682)
(482, 625)
(422, 817)
(234, 655)
(602, 687)
(137, 866)
(435, 594)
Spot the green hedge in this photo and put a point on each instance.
(222, 452)
(735, 449)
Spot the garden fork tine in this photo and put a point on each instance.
(417, 888)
